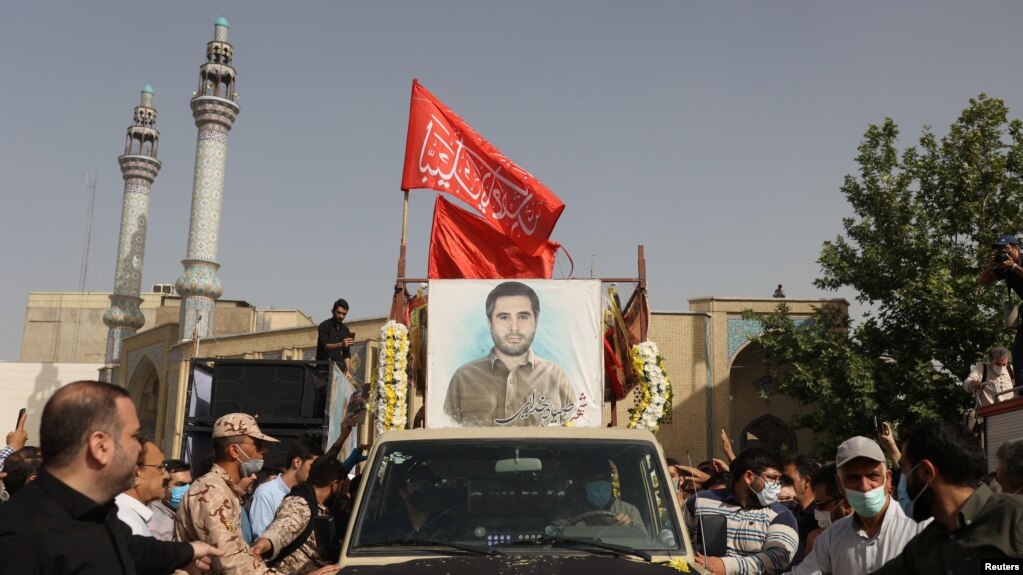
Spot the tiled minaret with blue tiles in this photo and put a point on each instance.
(214, 108)
(139, 167)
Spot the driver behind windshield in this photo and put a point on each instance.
(417, 518)
(591, 500)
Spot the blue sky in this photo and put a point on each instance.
(717, 134)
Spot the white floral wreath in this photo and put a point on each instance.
(392, 378)
(653, 390)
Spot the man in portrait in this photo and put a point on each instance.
(511, 385)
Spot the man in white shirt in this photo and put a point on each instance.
(989, 379)
(133, 504)
(877, 530)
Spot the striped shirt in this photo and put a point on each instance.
(759, 539)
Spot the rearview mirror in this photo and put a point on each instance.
(518, 465)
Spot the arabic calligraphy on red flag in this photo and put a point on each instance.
(463, 246)
(444, 153)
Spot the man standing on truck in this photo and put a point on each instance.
(511, 385)
(990, 381)
(334, 340)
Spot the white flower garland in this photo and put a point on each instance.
(653, 389)
(392, 378)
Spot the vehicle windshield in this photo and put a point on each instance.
(509, 493)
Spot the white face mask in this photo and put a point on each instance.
(998, 369)
(823, 518)
(769, 494)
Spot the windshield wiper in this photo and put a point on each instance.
(579, 541)
(474, 549)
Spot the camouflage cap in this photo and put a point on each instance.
(236, 424)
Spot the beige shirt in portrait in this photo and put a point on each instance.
(485, 392)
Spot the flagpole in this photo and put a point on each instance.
(404, 238)
(641, 264)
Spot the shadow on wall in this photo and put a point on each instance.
(47, 382)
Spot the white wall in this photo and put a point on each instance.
(29, 385)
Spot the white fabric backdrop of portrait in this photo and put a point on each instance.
(568, 333)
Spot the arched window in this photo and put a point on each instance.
(144, 386)
(770, 433)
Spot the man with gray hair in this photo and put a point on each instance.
(1010, 466)
(991, 380)
(876, 532)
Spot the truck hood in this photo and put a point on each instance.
(518, 565)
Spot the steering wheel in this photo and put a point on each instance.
(595, 517)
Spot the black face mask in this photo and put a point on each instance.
(791, 504)
(922, 507)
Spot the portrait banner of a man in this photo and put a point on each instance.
(514, 352)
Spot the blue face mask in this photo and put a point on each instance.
(598, 493)
(905, 501)
(904, 491)
(176, 493)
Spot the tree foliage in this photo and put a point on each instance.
(923, 221)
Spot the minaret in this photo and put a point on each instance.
(139, 167)
(214, 109)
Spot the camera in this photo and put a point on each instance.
(1001, 255)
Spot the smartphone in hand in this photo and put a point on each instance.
(21, 415)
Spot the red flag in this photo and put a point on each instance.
(444, 153)
(464, 246)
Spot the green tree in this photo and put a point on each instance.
(923, 221)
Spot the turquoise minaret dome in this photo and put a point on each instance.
(139, 167)
(214, 110)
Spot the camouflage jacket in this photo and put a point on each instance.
(211, 512)
(290, 521)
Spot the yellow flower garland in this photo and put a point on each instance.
(392, 378)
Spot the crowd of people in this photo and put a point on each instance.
(925, 504)
(98, 497)
(104, 499)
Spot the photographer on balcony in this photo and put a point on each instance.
(1004, 264)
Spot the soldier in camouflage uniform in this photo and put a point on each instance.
(290, 541)
(211, 510)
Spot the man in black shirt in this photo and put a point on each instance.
(334, 339)
(800, 469)
(66, 520)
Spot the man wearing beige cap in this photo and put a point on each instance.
(211, 509)
(877, 530)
